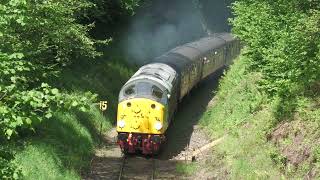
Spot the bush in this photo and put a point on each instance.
(37, 39)
(8, 169)
(283, 42)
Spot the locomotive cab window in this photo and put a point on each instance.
(130, 90)
(157, 92)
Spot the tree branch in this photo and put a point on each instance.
(4, 95)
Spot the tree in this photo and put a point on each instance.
(283, 42)
(38, 38)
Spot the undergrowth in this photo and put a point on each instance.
(62, 147)
(248, 118)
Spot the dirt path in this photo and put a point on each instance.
(184, 136)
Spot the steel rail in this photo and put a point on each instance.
(124, 157)
(153, 169)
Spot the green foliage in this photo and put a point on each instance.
(8, 169)
(111, 12)
(240, 114)
(252, 149)
(317, 155)
(24, 109)
(37, 38)
(283, 42)
(63, 146)
(278, 158)
(283, 45)
(274, 80)
(239, 97)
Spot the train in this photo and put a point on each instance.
(149, 99)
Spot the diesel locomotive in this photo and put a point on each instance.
(148, 101)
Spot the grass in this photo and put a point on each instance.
(62, 147)
(236, 101)
(239, 112)
(248, 118)
(187, 168)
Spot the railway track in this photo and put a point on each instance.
(110, 163)
(133, 167)
(122, 167)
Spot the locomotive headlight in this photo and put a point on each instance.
(158, 126)
(121, 123)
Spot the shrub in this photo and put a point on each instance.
(37, 39)
(283, 42)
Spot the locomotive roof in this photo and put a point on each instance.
(158, 72)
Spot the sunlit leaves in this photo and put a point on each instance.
(131, 4)
(283, 42)
(37, 38)
(28, 108)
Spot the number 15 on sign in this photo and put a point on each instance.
(103, 105)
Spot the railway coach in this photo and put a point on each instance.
(148, 101)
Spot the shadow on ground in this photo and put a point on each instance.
(189, 113)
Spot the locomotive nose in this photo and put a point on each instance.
(143, 116)
(137, 110)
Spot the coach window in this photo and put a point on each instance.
(157, 92)
(130, 90)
